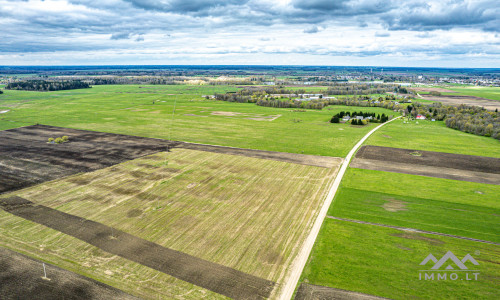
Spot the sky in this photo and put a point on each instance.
(409, 33)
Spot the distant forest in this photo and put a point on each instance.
(45, 86)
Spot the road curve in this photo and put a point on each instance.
(301, 259)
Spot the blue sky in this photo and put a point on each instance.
(447, 33)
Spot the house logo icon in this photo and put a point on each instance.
(449, 256)
(449, 267)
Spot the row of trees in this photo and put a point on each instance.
(262, 98)
(360, 88)
(44, 86)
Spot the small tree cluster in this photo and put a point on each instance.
(375, 117)
(358, 122)
(58, 140)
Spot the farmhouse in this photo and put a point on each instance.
(420, 117)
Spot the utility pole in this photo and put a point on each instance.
(44, 273)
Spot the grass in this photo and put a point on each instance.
(130, 110)
(470, 220)
(492, 93)
(245, 213)
(448, 206)
(453, 191)
(433, 136)
(385, 262)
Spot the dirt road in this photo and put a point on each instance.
(301, 259)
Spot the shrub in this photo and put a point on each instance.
(335, 120)
(65, 139)
(58, 141)
(51, 140)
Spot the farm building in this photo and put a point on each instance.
(420, 117)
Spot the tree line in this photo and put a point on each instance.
(470, 119)
(360, 89)
(283, 98)
(44, 85)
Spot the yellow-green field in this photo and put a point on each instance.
(244, 213)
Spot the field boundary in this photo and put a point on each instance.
(413, 230)
(296, 158)
(306, 248)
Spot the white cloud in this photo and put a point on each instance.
(248, 31)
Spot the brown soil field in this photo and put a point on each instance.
(302, 159)
(315, 292)
(27, 159)
(424, 89)
(467, 100)
(22, 278)
(429, 158)
(217, 278)
(426, 163)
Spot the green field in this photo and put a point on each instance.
(434, 204)
(130, 110)
(385, 262)
(492, 93)
(433, 136)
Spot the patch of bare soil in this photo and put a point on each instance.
(214, 277)
(467, 100)
(134, 213)
(154, 112)
(387, 136)
(303, 159)
(394, 205)
(264, 118)
(21, 278)
(426, 163)
(225, 113)
(424, 89)
(27, 159)
(316, 292)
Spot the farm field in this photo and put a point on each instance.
(244, 213)
(492, 93)
(27, 158)
(355, 257)
(433, 136)
(130, 110)
(385, 262)
(486, 97)
(30, 284)
(471, 168)
(442, 205)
